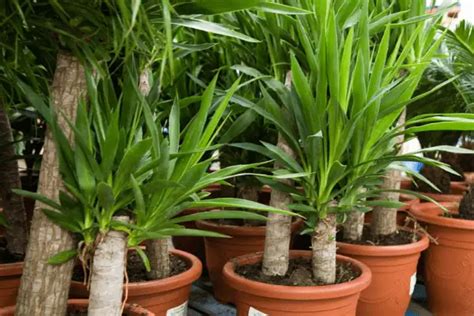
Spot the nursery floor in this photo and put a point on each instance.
(203, 303)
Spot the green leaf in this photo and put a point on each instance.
(218, 214)
(214, 28)
(105, 196)
(144, 258)
(38, 197)
(62, 257)
(3, 220)
(385, 203)
(237, 203)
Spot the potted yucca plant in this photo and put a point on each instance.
(353, 94)
(127, 182)
(445, 270)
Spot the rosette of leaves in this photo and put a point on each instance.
(123, 163)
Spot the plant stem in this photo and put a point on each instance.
(278, 228)
(384, 219)
(354, 224)
(108, 269)
(13, 207)
(158, 254)
(324, 250)
(44, 288)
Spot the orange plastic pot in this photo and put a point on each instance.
(253, 297)
(162, 297)
(245, 239)
(469, 177)
(192, 245)
(10, 275)
(449, 264)
(82, 304)
(457, 190)
(393, 275)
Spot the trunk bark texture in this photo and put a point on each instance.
(384, 219)
(157, 250)
(16, 233)
(44, 288)
(324, 250)
(158, 254)
(248, 192)
(354, 224)
(108, 270)
(278, 229)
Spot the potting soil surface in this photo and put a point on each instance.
(438, 177)
(401, 237)
(299, 273)
(136, 268)
(5, 255)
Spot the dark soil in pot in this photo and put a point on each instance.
(5, 255)
(299, 273)
(466, 207)
(438, 177)
(453, 160)
(136, 270)
(401, 237)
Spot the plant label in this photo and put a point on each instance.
(181, 310)
(255, 312)
(412, 283)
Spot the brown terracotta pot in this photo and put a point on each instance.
(393, 275)
(82, 304)
(278, 300)
(10, 275)
(457, 190)
(192, 245)
(195, 245)
(469, 177)
(244, 240)
(160, 296)
(449, 265)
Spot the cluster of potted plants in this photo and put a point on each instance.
(307, 131)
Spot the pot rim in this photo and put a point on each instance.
(83, 302)
(388, 250)
(234, 230)
(298, 293)
(175, 281)
(11, 269)
(418, 211)
(170, 283)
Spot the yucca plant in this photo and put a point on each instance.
(124, 164)
(340, 118)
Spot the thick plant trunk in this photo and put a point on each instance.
(44, 288)
(13, 208)
(384, 220)
(324, 250)
(156, 250)
(278, 229)
(108, 269)
(354, 224)
(158, 254)
(248, 192)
